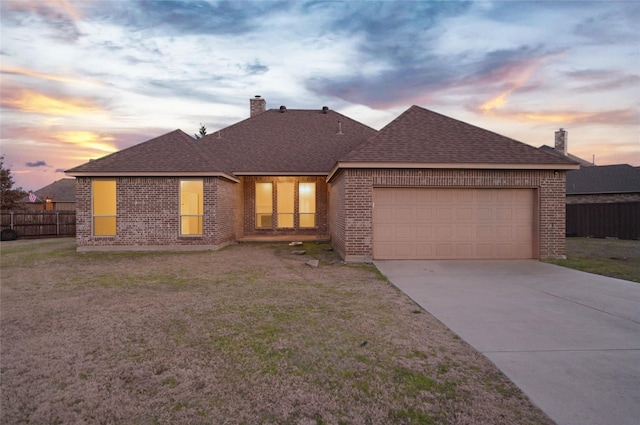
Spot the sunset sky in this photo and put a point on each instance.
(82, 79)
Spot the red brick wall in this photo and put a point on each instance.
(352, 192)
(337, 215)
(249, 216)
(148, 214)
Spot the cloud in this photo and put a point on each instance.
(87, 140)
(615, 117)
(255, 68)
(602, 79)
(60, 15)
(8, 70)
(27, 100)
(37, 164)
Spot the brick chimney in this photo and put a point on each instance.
(561, 141)
(257, 105)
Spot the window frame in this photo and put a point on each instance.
(95, 216)
(199, 208)
(296, 214)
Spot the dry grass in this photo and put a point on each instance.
(245, 335)
(607, 257)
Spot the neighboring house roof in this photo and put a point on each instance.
(551, 150)
(63, 190)
(426, 137)
(286, 141)
(622, 178)
(174, 153)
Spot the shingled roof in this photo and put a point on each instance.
(426, 137)
(174, 153)
(286, 141)
(63, 190)
(621, 178)
(553, 151)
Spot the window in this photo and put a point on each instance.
(285, 208)
(104, 207)
(307, 204)
(286, 204)
(264, 205)
(191, 207)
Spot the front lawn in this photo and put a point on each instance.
(245, 335)
(608, 257)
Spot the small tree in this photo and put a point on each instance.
(9, 197)
(202, 132)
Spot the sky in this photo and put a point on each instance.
(82, 79)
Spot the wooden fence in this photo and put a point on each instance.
(36, 224)
(613, 220)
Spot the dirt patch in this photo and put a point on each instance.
(248, 334)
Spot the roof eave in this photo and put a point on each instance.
(104, 174)
(280, 173)
(452, 165)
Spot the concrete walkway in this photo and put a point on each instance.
(570, 340)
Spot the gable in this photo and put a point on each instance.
(286, 141)
(420, 136)
(174, 153)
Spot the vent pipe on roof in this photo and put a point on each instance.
(325, 109)
(257, 105)
(339, 128)
(283, 109)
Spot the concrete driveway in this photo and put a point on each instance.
(570, 340)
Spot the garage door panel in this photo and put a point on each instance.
(444, 250)
(464, 213)
(444, 232)
(424, 232)
(403, 214)
(504, 213)
(404, 233)
(384, 233)
(484, 251)
(484, 214)
(424, 213)
(504, 251)
(464, 232)
(383, 214)
(425, 250)
(504, 232)
(453, 223)
(464, 250)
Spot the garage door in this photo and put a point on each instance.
(410, 223)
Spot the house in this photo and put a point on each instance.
(57, 196)
(561, 149)
(604, 201)
(425, 186)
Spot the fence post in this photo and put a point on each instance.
(57, 223)
(11, 215)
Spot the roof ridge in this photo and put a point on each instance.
(195, 146)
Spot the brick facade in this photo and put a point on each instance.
(148, 215)
(603, 198)
(352, 202)
(249, 214)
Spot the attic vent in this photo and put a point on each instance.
(283, 109)
(325, 109)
